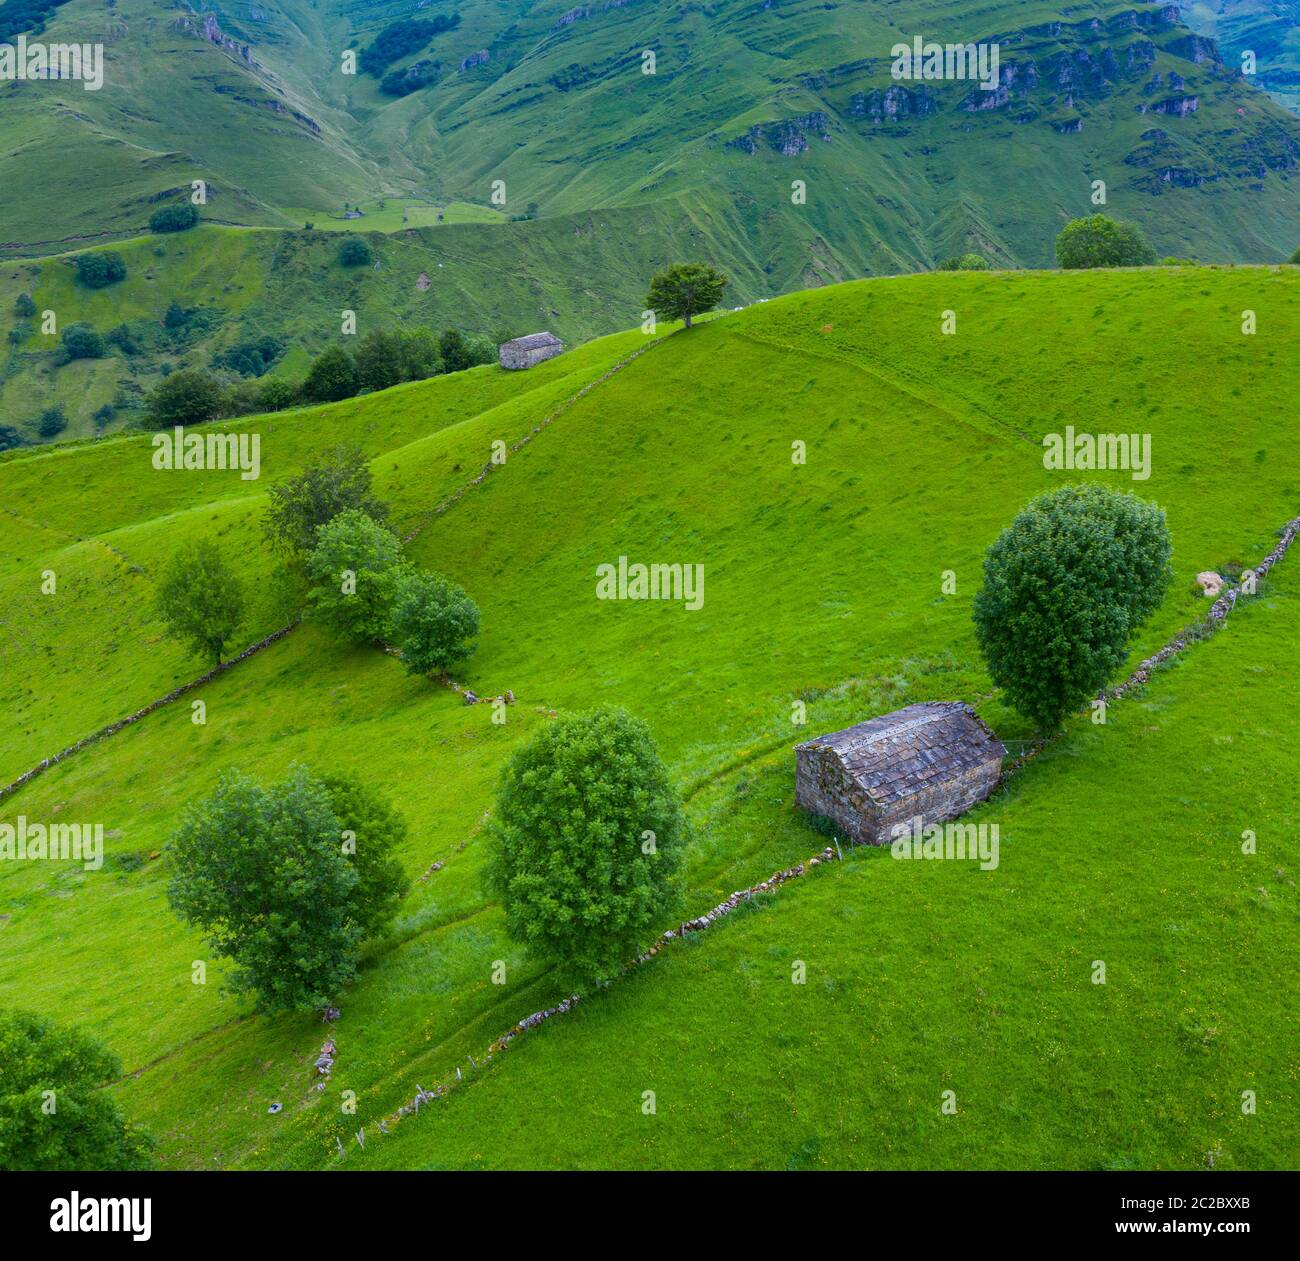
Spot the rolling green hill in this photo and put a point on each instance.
(823, 586)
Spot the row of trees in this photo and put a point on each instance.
(288, 880)
(192, 396)
(331, 530)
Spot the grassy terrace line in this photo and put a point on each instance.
(824, 587)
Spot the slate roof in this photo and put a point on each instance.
(534, 341)
(898, 754)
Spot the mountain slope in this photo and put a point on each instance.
(823, 585)
(551, 101)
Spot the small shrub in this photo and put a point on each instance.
(355, 252)
(174, 218)
(98, 270)
(80, 341)
(53, 422)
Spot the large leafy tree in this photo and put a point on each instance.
(433, 621)
(54, 1111)
(187, 397)
(455, 353)
(421, 356)
(328, 485)
(586, 841)
(273, 879)
(379, 361)
(331, 377)
(1065, 587)
(685, 290)
(354, 569)
(1099, 241)
(200, 598)
(372, 831)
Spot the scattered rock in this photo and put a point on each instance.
(1211, 583)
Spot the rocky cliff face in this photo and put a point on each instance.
(1267, 29)
(1056, 75)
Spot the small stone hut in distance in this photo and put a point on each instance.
(523, 352)
(933, 760)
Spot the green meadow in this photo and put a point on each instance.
(828, 458)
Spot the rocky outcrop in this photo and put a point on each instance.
(892, 103)
(1179, 106)
(208, 28)
(788, 137)
(476, 59)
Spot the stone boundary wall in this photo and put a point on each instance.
(1213, 621)
(113, 728)
(696, 925)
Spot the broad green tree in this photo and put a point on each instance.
(685, 290)
(200, 598)
(379, 361)
(331, 377)
(55, 1114)
(455, 354)
(1066, 585)
(355, 251)
(433, 622)
(187, 397)
(1099, 241)
(586, 842)
(104, 267)
(373, 831)
(354, 569)
(329, 484)
(286, 881)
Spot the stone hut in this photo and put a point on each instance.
(933, 760)
(523, 352)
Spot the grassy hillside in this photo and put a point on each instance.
(823, 584)
(577, 275)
